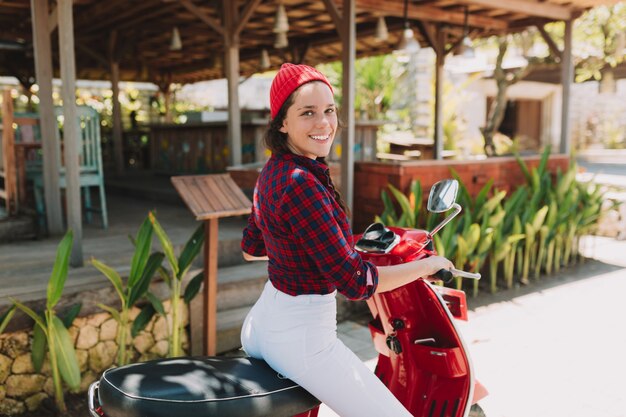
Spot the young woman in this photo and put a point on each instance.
(299, 224)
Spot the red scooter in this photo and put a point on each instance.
(422, 357)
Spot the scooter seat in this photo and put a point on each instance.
(200, 387)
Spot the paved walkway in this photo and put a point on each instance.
(552, 349)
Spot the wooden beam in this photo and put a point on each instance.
(530, 8)
(246, 14)
(427, 13)
(70, 128)
(567, 78)
(211, 242)
(231, 69)
(439, 74)
(200, 14)
(118, 135)
(429, 32)
(95, 55)
(348, 88)
(554, 49)
(47, 120)
(331, 8)
(53, 20)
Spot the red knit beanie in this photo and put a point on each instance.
(288, 79)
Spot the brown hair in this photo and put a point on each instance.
(276, 142)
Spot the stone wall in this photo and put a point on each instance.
(22, 389)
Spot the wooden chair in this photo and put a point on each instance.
(8, 172)
(90, 165)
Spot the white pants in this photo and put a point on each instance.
(297, 337)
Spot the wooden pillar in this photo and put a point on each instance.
(71, 127)
(47, 121)
(231, 61)
(211, 242)
(118, 137)
(441, 56)
(348, 56)
(567, 77)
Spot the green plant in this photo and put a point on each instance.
(51, 331)
(6, 317)
(178, 270)
(143, 267)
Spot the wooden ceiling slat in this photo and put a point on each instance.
(145, 26)
(529, 8)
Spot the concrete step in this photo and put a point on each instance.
(229, 323)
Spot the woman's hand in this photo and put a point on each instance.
(249, 257)
(436, 263)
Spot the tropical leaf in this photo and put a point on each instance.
(539, 218)
(191, 250)
(112, 311)
(59, 270)
(65, 354)
(193, 287)
(166, 244)
(29, 312)
(142, 319)
(112, 275)
(71, 314)
(6, 318)
(405, 205)
(140, 287)
(143, 244)
(156, 303)
(38, 347)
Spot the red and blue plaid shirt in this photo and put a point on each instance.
(299, 225)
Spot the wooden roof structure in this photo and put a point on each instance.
(137, 34)
(131, 39)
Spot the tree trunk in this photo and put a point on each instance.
(498, 108)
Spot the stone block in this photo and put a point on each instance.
(48, 386)
(160, 348)
(11, 407)
(143, 342)
(21, 386)
(97, 319)
(102, 356)
(23, 364)
(86, 379)
(32, 403)
(87, 337)
(83, 359)
(16, 344)
(5, 367)
(108, 330)
(160, 329)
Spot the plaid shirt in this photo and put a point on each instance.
(298, 224)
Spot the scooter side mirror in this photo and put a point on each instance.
(443, 196)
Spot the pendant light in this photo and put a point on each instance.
(382, 34)
(176, 44)
(265, 59)
(281, 27)
(408, 44)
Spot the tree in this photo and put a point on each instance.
(600, 42)
(504, 79)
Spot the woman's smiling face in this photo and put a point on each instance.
(311, 121)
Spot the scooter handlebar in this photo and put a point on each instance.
(464, 274)
(446, 275)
